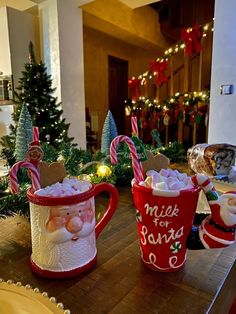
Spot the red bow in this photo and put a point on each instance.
(160, 67)
(192, 39)
(134, 88)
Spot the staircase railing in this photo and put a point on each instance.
(175, 100)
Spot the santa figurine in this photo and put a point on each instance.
(218, 229)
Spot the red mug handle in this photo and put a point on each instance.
(114, 196)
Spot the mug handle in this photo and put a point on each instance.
(114, 196)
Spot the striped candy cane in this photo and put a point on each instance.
(134, 124)
(36, 134)
(206, 185)
(137, 167)
(34, 175)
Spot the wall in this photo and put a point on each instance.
(21, 32)
(222, 123)
(5, 60)
(97, 47)
(16, 30)
(139, 26)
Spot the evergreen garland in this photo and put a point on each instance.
(80, 162)
(24, 133)
(174, 151)
(109, 132)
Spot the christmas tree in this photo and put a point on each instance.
(35, 89)
(109, 132)
(24, 133)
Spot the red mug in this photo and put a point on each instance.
(64, 231)
(164, 221)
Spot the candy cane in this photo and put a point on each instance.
(137, 167)
(36, 133)
(34, 174)
(206, 185)
(134, 125)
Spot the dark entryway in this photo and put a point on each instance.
(118, 90)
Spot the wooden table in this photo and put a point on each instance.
(120, 283)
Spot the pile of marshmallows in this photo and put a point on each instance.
(67, 188)
(167, 180)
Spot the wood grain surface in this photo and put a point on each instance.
(120, 283)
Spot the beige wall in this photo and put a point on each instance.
(97, 47)
(5, 60)
(21, 32)
(138, 27)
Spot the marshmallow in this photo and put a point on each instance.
(68, 187)
(167, 179)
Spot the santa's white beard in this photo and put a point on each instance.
(62, 235)
(59, 236)
(227, 213)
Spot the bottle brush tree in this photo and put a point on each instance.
(109, 132)
(24, 133)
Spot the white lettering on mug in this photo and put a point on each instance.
(169, 212)
(160, 238)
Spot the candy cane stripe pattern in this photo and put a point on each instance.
(134, 125)
(36, 134)
(206, 185)
(137, 168)
(34, 174)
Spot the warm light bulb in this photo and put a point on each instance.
(84, 177)
(127, 111)
(104, 171)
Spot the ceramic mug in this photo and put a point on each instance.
(64, 231)
(164, 221)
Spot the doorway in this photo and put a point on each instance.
(118, 90)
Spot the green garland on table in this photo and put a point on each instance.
(81, 163)
(12, 204)
(174, 151)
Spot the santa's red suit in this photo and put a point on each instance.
(218, 229)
